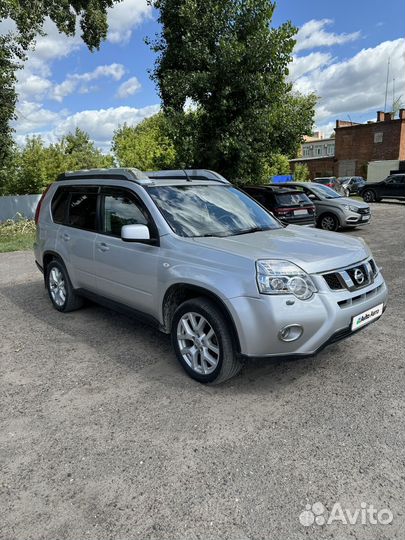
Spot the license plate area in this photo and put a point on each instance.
(301, 212)
(367, 317)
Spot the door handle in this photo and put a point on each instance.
(66, 237)
(102, 246)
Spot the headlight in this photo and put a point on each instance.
(351, 208)
(284, 277)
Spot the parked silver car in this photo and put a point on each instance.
(333, 210)
(204, 262)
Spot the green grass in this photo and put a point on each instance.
(17, 235)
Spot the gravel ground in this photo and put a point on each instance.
(102, 435)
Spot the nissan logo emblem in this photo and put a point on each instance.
(359, 276)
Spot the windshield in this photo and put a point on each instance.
(199, 210)
(325, 192)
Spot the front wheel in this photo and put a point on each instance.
(328, 222)
(369, 196)
(203, 342)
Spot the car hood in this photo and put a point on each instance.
(312, 249)
(346, 200)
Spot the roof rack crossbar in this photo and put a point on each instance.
(130, 174)
(188, 174)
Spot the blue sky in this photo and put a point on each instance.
(342, 53)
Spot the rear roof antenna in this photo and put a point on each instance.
(187, 176)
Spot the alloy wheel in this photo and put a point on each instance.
(328, 223)
(57, 286)
(198, 343)
(369, 196)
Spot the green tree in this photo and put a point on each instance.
(278, 164)
(80, 152)
(301, 173)
(146, 146)
(227, 58)
(8, 98)
(291, 120)
(29, 19)
(37, 165)
(31, 168)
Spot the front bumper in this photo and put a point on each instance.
(325, 318)
(352, 219)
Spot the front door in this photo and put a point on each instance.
(126, 272)
(394, 186)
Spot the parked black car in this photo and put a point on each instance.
(393, 187)
(290, 206)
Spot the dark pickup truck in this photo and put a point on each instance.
(393, 187)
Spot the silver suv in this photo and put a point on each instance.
(205, 263)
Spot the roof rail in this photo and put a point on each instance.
(133, 175)
(188, 174)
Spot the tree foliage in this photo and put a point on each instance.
(37, 165)
(301, 173)
(147, 146)
(232, 64)
(278, 165)
(29, 18)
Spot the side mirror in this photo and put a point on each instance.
(135, 233)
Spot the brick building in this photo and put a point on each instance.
(358, 144)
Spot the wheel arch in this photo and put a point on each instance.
(178, 293)
(47, 257)
(333, 213)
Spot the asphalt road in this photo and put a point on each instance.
(102, 435)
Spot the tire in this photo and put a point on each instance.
(60, 288)
(369, 196)
(328, 222)
(212, 360)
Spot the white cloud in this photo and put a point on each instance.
(313, 34)
(32, 87)
(128, 88)
(355, 85)
(33, 117)
(71, 83)
(99, 124)
(303, 65)
(124, 17)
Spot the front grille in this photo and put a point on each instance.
(353, 277)
(364, 210)
(333, 282)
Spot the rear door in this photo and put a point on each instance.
(77, 234)
(126, 271)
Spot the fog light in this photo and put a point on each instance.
(291, 332)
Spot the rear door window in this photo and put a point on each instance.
(292, 199)
(83, 211)
(58, 207)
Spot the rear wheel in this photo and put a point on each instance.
(369, 196)
(328, 222)
(60, 288)
(203, 342)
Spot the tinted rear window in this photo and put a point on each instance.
(292, 199)
(83, 211)
(59, 205)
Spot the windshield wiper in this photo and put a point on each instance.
(252, 230)
(210, 235)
